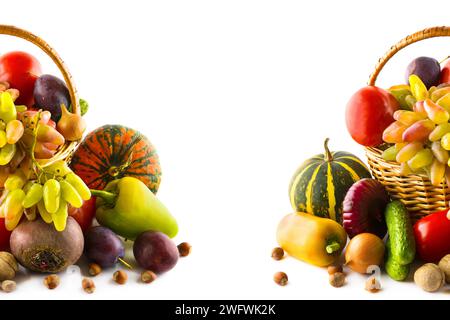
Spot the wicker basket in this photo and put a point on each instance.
(415, 191)
(65, 150)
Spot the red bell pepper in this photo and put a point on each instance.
(432, 235)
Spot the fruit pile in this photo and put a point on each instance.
(335, 199)
(51, 212)
(32, 132)
(413, 128)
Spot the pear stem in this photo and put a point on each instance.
(126, 264)
(333, 247)
(443, 60)
(108, 197)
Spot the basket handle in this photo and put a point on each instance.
(44, 46)
(415, 37)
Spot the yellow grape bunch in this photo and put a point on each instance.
(11, 129)
(49, 195)
(420, 135)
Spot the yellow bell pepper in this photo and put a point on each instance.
(315, 240)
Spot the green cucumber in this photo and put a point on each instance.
(401, 236)
(395, 270)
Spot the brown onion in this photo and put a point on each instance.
(71, 125)
(364, 250)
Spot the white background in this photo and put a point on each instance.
(234, 95)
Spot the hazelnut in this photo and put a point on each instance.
(373, 285)
(337, 279)
(334, 268)
(94, 269)
(8, 266)
(88, 285)
(184, 249)
(120, 277)
(277, 253)
(8, 286)
(51, 281)
(280, 278)
(148, 276)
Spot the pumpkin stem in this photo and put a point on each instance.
(328, 154)
(108, 197)
(333, 247)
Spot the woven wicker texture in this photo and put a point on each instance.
(415, 191)
(65, 150)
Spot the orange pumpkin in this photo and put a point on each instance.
(114, 151)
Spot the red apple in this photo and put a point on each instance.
(370, 111)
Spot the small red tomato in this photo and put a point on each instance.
(445, 73)
(84, 215)
(370, 111)
(21, 70)
(4, 236)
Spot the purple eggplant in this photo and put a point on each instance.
(363, 208)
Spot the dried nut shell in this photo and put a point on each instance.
(281, 278)
(8, 286)
(148, 276)
(120, 277)
(277, 253)
(337, 279)
(51, 281)
(94, 269)
(88, 285)
(184, 249)
(444, 265)
(429, 277)
(8, 266)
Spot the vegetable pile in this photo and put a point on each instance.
(334, 200)
(53, 212)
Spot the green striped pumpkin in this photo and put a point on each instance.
(319, 185)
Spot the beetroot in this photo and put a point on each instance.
(363, 208)
(39, 247)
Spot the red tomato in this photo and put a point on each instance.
(21, 70)
(84, 215)
(445, 73)
(432, 235)
(370, 111)
(4, 236)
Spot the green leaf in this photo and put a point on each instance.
(84, 106)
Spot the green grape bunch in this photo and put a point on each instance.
(55, 188)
